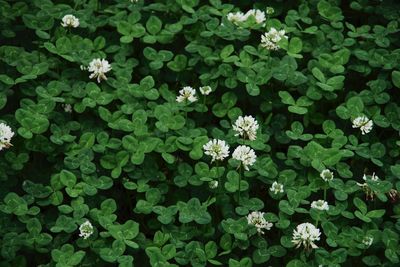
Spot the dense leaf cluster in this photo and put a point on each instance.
(129, 158)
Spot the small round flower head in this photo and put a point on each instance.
(186, 94)
(99, 67)
(320, 205)
(86, 229)
(270, 10)
(257, 219)
(363, 123)
(276, 188)
(306, 234)
(217, 149)
(246, 127)
(368, 240)
(5, 136)
(246, 155)
(213, 184)
(67, 108)
(257, 14)
(70, 21)
(326, 175)
(270, 39)
(236, 18)
(373, 178)
(205, 90)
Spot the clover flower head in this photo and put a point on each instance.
(213, 184)
(270, 10)
(326, 175)
(245, 155)
(306, 234)
(246, 127)
(320, 205)
(67, 108)
(205, 90)
(99, 67)
(217, 149)
(363, 123)
(5, 136)
(276, 188)
(270, 39)
(187, 93)
(85, 229)
(368, 240)
(70, 21)
(257, 219)
(257, 14)
(373, 178)
(236, 17)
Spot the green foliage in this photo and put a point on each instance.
(124, 155)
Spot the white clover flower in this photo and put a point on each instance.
(276, 188)
(86, 229)
(217, 149)
(134, 1)
(320, 205)
(363, 123)
(205, 90)
(187, 94)
(5, 136)
(257, 219)
(326, 175)
(368, 240)
(67, 108)
(246, 127)
(246, 155)
(306, 234)
(236, 18)
(270, 10)
(373, 178)
(213, 184)
(99, 67)
(257, 14)
(270, 39)
(70, 21)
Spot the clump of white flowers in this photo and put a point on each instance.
(368, 240)
(67, 108)
(276, 188)
(246, 127)
(205, 90)
(217, 149)
(245, 155)
(236, 17)
(320, 205)
(99, 67)
(306, 234)
(186, 94)
(270, 39)
(257, 14)
(363, 123)
(5, 136)
(326, 175)
(213, 184)
(70, 21)
(257, 219)
(239, 17)
(85, 229)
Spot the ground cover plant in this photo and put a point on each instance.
(199, 133)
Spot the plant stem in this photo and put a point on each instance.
(219, 180)
(240, 180)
